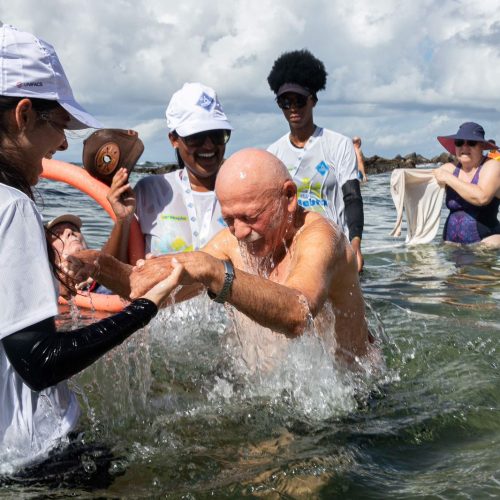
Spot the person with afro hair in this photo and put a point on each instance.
(322, 162)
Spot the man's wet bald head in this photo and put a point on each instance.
(250, 168)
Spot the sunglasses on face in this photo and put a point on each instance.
(47, 117)
(460, 142)
(218, 138)
(286, 102)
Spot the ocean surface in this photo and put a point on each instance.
(180, 423)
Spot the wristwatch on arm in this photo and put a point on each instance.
(222, 296)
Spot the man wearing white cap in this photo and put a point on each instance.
(178, 211)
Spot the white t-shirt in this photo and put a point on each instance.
(320, 169)
(31, 423)
(167, 220)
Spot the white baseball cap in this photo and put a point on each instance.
(29, 67)
(195, 108)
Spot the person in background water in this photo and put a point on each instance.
(178, 211)
(65, 235)
(472, 188)
(356, 141)
(38, 410)
(322, 162)
(494, 154)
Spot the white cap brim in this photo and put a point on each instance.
(80, 118)
(194, 127)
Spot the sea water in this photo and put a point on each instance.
(182, 423)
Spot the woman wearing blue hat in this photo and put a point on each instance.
(472, 188)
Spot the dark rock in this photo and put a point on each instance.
(443, 158)
(377, 165)
(373, 164)
(153, 168)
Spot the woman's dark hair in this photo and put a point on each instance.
(300, 67)
(54, 258)
(180, 161)
(10, 174)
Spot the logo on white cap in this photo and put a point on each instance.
(29, 84)
(205, 101)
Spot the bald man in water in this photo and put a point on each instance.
(278, 264)
(290, 264)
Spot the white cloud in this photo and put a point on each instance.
(400, 71)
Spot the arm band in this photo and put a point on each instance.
(44, 357)
(353, 208)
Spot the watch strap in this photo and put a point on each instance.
(222, 296)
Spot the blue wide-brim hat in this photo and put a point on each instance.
(468, 131)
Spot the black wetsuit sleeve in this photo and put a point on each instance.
(353, 203)
(44, 357)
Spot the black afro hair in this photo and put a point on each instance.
(298, 66)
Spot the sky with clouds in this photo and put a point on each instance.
(400, 72)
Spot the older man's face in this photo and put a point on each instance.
(256, 221)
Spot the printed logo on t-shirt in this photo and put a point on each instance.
(205, 101)
(167, 244)
(322, 168)
(174, 218)
(312, 202)
(309, 195)
(306, 188)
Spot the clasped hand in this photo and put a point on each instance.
(81, 267)
(147, 273)
(441, 175)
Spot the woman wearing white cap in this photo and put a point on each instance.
(38, 410)
(178, 211)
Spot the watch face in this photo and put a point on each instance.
(107, 158)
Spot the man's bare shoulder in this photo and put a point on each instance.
(319, 236)
(316, 225)
(222, 245)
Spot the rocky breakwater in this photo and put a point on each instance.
(373, 164)
(149, 167)
(378, 165)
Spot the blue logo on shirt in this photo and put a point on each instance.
(205, 101)
(311, 202)
(322, 168)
